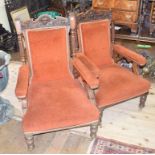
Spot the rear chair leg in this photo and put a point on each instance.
(93, 130)
(142, 101)
(100, 119)
(30, 141)
(75, 73)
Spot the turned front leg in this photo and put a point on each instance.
(29, 141)
(93, 130)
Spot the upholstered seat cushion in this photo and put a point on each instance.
(118, 84)
(57, 104)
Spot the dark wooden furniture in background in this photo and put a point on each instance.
(124, 12)
(146, 29)
(133, 14)
(152, 18)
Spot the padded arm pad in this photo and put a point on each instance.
(90, 65)
(129, 54)
(22, 82)
(85, 73)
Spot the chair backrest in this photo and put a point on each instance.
(42, 21)
(95, 41)
(90, 15)
(48, 53)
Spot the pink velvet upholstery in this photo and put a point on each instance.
(90, 65)
(116, 84)
(55, 100)
(97, 49)
(57, 104)
(88, 76)
(48, 54)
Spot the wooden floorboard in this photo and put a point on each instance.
(75, 144)
(126, 123)
(58, 142)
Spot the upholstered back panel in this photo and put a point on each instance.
(95, 41)
(48, 53)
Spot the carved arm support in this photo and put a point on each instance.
(22, 82)
(22, 86)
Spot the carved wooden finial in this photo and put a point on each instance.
(73, 33)
(72, 18)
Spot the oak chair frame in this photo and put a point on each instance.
(44, 21)
(90, 16)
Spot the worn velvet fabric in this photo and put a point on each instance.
(55, 100)
(85, 73)
(57, 104)
(116, 83)
(90, 65)
(96, 45)
(48, 54)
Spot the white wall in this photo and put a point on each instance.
(3, 16)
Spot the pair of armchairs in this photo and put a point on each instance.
(53, 99)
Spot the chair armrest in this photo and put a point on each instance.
(22, 82)
(129, 54)
(85, 73)
(89, 64)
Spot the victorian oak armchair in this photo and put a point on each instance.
(104, 79)
(55, 100)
